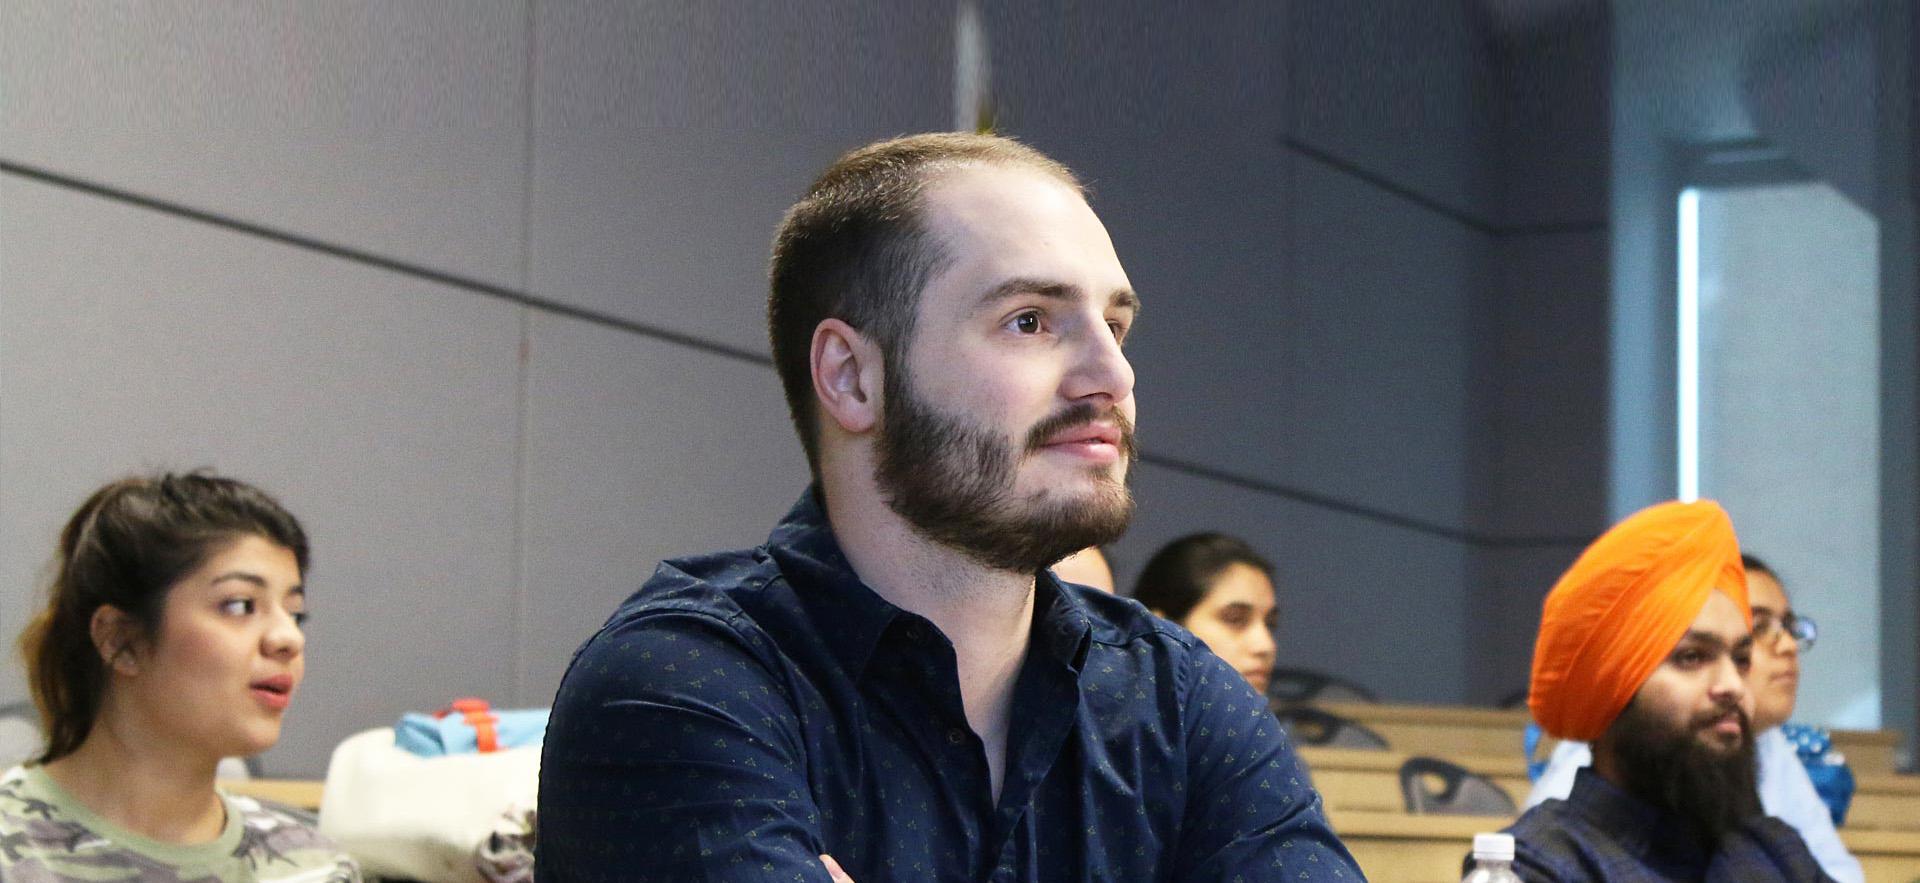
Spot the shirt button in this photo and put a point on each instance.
(955, 737)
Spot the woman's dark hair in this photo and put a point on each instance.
(1179, 576)
(126, 546)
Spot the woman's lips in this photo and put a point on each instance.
(274, 692)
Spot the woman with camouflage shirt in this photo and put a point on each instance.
(171, 639)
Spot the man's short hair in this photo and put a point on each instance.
(855, 248)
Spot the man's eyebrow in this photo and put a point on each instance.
(1023, 285)
(1123, 298)
(1708, 638)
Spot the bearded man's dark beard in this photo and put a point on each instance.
(1711, 791)
(953, 481)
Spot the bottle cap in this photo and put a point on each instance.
(1493, 847)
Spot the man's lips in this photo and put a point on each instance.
(1727, 725)
(1092, 433)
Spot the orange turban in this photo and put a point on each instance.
(1620, 610)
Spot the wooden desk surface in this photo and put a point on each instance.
(292, 792)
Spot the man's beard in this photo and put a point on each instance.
(1713, 792)
(953, 482)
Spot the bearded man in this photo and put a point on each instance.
(1644, 649)
(895, 679)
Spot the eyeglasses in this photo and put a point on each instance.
(1804, 630)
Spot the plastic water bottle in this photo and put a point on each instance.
(1492, 860)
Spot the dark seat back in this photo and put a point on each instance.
(1313, 726)
(1434, 786)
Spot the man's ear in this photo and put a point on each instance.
(115, 637)
(847, 375)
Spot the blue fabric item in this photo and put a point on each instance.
(1529, 745)
(430, 736)
(1602, 833)
(745, 712)
(1827, 767)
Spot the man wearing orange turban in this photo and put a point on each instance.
(1643, 651)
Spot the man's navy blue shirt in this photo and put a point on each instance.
(745, 712)
(1601, 833)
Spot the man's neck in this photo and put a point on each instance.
(987, 614)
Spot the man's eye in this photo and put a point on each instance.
(1027, 323)
(1119, 330)
(237, 606)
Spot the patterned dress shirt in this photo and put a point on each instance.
(1601, 833)
(745, 712)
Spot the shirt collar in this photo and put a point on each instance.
(810, 556)
(1061, 617)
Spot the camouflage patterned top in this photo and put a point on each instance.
(46, 835)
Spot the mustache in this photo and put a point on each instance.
(1707, 719)
(1079, 415)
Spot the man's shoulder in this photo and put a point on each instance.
(718, 586)
(697, 604)
(1552, 841)
(1120, 621)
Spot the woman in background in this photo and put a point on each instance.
(172, 638)
(1222, 591)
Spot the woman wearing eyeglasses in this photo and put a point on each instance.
(1786, 790)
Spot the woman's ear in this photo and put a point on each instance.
(847, 376)
(114, 638)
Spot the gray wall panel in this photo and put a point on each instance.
(398, 129)
(1508, 587)
(1403, 92)
(1356, 597)
(637, 450)
(1547, 434)
(1062, 66)
(669, 138)
(1553, 133)
(1381, 350)
(380, 409)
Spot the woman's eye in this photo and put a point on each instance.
(237, 606)
(300, 618)
(1027, 323)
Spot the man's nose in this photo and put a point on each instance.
(1102, 368)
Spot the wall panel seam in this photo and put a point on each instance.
(532, 302)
